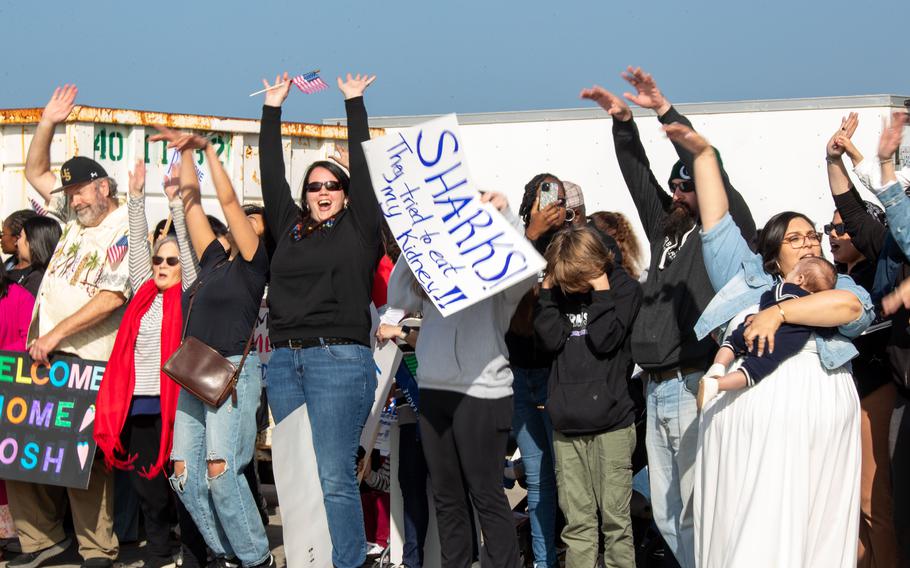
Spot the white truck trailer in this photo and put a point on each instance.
(774, 150)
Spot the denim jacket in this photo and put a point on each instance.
(897, 207)
(737, 273)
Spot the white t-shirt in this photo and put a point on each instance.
(86, 261)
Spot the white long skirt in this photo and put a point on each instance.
(778, 471)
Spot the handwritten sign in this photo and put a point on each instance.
(459, 249)
(47, 414)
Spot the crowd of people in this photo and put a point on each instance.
(775, 382)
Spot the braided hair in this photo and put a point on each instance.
(527, 200)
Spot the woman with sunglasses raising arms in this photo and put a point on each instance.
(778, 465)
(137, 403)
(327, 249)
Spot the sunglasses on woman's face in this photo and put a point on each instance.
(315, 186)
(171, 260)
(838, 228)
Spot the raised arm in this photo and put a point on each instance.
(709, 185)
(241, 229)
(38, 161)
(189, 263)
(891, 194)
(611, 313)
(363, 201)
(140, 256)
(650, 200)
(551, 328)
(838, 178)
(201, 234)
(280, 210)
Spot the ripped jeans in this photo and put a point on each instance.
(221, 506)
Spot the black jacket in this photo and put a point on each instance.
(590, 335)
(675, 296)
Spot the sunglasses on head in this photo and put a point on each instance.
(838, 228)
(171, 260)
(315, 186)
(687, 186)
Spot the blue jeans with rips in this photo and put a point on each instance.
(221, 506)
(338, 384)
(534, 434)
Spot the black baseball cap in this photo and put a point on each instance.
(79, 170)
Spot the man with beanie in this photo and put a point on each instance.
(77, 312)
(675, 293)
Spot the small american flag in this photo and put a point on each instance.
(117, 251)
(310, 83)
(37, 207)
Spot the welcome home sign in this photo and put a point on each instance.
(47, 414)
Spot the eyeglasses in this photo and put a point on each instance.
(315, 186)
(683, 186)
(171, 260)
(798, 241)
(838, 228)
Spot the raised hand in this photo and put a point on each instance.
(179, 140)
(615, 106)
(137, 179)
(647, 94)
(171, 187)
(275, 97)
(542, 220)
(61, 104)
(341, 157)
(354, 87)
(687, 138)
(499, 201)
(891, 136)
(836, 144)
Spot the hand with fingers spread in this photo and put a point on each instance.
(615, 106)
(542, 220)
(137, 179)
(837, 143)
(891, 136)
(687, 138)
(341, 157)
(354, 87)
(647, 95)
(275, 97)
(61, 105)
(179, 140)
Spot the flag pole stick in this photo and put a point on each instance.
(283, 83)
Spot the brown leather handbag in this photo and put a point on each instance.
(201, 370)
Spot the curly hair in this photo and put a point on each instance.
(618, 226)
(530, 194)
(576, 256)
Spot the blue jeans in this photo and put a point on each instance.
(534, 434)
(338, 384)
(412, 477)
(222, 506)
(671, 440)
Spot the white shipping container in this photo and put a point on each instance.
(773, 150)
(116, 138)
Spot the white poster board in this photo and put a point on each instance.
(386, 358)
(459, 249)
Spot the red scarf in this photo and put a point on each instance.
(119, 381)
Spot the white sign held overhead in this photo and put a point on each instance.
(459, 249)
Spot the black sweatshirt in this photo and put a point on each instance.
(320, 285)
(674, 297)
(588, 387)
(868, 236)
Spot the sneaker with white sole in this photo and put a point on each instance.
(39, 557)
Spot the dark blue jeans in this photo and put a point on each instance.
(412, 476)
(338, 384)
(534, 434)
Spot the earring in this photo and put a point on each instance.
(345, 203)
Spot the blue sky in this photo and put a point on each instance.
(433, 57)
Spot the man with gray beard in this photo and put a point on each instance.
(675, 293)
(77, 312)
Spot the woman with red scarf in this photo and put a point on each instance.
(137, 403)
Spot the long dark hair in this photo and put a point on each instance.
(42, 234)
(335, 170)
(530, 194)
(771, 238)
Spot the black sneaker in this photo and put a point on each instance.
(267, 563)
(39, 557)
(97, 563)
(224, 563)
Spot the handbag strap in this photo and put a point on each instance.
(195, 290)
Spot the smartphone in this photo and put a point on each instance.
(549, 193)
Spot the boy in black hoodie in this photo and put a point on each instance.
(584, 316)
